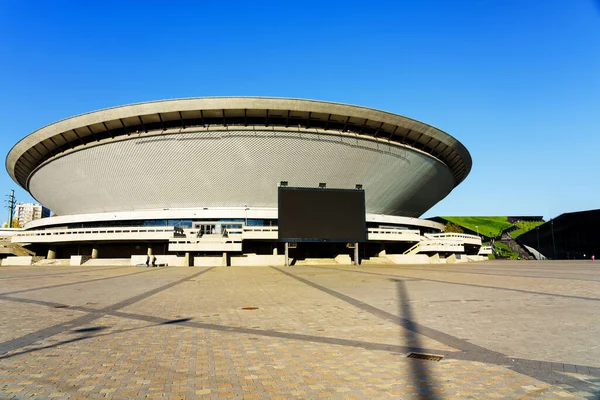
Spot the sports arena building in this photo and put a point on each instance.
(195, 181)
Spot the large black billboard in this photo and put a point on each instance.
(322, 215)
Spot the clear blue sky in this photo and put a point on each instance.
(516, 81)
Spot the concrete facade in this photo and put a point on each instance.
(196, 178)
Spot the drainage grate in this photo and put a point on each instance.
(249, 308)
(61, 306)
(424, 356)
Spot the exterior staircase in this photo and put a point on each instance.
(515, 246)
(190, 240)
(523, 252)
(435, 246)
(8, 248)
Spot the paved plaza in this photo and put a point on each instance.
(514, 330)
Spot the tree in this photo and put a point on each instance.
(452, 228)
(15, 223)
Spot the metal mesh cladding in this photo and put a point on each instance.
(237, 168)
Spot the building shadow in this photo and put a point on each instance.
(89, 333)
(176, 321)
(91, 329)
(419, 371)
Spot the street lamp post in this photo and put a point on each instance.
(553, 242)
(477, 227)
(537, 230)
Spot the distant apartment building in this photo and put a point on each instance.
(27, 212)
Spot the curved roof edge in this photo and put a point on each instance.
(76, 131)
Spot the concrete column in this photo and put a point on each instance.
(356, 260)
(287, 254)
(224, 261)
(186, 259)
(149, 250)
(94, 252)
(275, 251)
(51, 253)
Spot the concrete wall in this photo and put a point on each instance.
(170, 260)
(51, 262)
(399, 235)
(210, 214)
(408, 258)
(210, 261)
(78, 260)
(180, 245)
(477, 258)
(107, 261)
(436, 259)
(138, 233)
(343, 259)
(255, 260)
(26, 260)
(456, 259)
(5, 232)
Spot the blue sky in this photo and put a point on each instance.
(516, 81)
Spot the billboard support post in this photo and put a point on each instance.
(356, 261)
(287, 259)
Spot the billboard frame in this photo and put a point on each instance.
(323, 189)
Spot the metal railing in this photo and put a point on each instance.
(452, 235)
(260, 229)
(436, 245)
(391, 231)
(91, 233)
(485, 250)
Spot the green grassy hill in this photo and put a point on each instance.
(492, 227)
(525, 226)
(504, 251)
(487, 226)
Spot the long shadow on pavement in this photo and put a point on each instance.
(420, 374)
(89, 334)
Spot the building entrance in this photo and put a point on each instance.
(205, 228)
(215, 227)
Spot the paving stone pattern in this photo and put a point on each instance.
(514, 330)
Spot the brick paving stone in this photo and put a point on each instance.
(193, 340)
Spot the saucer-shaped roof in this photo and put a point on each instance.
(108, 124)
